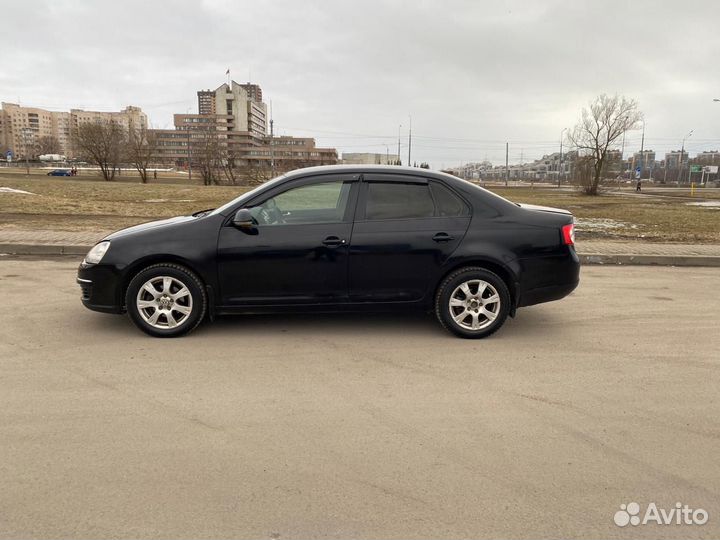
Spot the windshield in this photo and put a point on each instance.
(246, 196)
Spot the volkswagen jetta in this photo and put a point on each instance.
(339, 238)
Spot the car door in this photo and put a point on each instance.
(297, 252)
(405, 229)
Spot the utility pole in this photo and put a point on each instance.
(272, 151)
(642, 152)
(409, 141)
(399, 161)
(27, 135)
(189, 153)
(561, 157)
(507, 166)
(622, 156)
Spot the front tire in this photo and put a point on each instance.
(472, 303)
(166, 300)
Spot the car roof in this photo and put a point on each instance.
(375, 169)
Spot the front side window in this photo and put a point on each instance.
(325, 202)
(398, 201)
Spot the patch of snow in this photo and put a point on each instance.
(705, 204)
(168, 200)
(595, 224)
(18, 191)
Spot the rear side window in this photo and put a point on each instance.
(398, 201)
(447, 203)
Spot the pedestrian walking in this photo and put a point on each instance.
(638, 187)
(154, 174)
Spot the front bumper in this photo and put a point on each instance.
(100, 290)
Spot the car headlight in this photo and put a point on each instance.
(96, 254)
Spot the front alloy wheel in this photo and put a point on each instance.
(166, 300)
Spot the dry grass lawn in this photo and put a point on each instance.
(85, 203)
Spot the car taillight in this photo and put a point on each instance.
(568, 234)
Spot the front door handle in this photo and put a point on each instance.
(443, 237)
(333, 241)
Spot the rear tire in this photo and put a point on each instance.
(472, 303)
(166, 300)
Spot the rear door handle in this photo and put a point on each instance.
(443, 237)
(333, 241)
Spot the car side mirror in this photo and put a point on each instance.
(244, 220)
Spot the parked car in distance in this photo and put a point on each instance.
(339, 238)
(59, 172)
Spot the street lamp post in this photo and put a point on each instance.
(560, 166)
(682, 153)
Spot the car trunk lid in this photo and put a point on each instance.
(549, 209)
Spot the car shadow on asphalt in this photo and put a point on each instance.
(529, 323)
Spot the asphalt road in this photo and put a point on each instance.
(361, 426)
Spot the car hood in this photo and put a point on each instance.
(544, 209)
(150, 225)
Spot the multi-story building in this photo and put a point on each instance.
(710, 157)
(368, 158)
(676, 159)
(129, 118)
(206, 101)
(242, 102)
(21, 128)
(644, 160)
(231, 124)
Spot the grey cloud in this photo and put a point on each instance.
(473, 74)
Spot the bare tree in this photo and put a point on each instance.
(207, 152)
(47, 145)
(601, 124)
(230, 164)
(257, 172)
(101, 143)
(140, 149)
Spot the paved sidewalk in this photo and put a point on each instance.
(50, 242)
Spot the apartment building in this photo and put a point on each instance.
(21, 128)
(232, 123)
(675, 159)
(243, 102)
(369, 158)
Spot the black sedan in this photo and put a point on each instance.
(339, 238)
(59, 172)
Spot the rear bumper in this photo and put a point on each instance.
(553, 278)
(547, 294)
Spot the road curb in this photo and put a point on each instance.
(43, 249)
(585, 258)
(649, 260)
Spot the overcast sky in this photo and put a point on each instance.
(473, 74)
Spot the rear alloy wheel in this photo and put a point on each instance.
(472, 303)
(166, 300)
